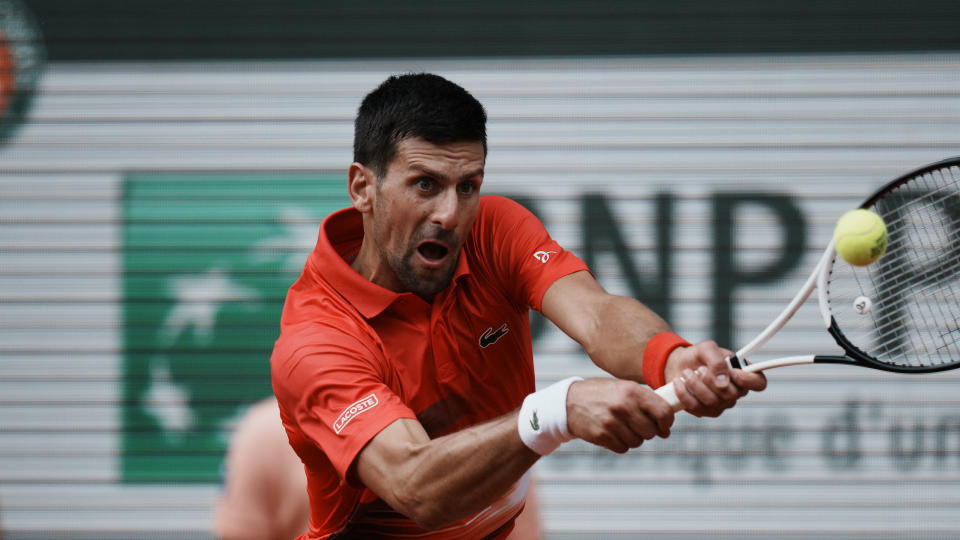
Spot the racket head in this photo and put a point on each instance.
(910, 321)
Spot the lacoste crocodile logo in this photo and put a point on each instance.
(535, 423)
(489, 336)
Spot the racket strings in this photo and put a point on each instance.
(949, 330)
(935, 278)
(922, 338)
(915, 320)
(928, 291)
(925, 203)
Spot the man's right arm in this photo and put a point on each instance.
(440, 481)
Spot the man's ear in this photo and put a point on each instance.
(361, 184)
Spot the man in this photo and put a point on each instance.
(265, 492)
(404, 368)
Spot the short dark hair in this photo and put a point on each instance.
(420, 105)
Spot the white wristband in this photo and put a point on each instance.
(542, 422)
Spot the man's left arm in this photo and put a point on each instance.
(614, 331)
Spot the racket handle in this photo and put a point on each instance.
(668, 393)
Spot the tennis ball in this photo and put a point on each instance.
(860, 237)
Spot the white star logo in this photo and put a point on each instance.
(198, 298)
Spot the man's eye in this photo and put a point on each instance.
(467, 188)
(425, 184)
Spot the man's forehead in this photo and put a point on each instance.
(413, 150)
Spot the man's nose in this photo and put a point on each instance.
(445, 209)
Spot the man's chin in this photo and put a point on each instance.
(427, 282)
(434, 283)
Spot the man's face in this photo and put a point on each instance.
(423, 210)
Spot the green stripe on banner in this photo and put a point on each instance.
(207, 261)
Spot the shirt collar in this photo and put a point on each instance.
(341, 235)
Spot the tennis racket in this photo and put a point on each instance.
(901, 313)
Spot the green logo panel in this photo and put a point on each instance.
(207, 259)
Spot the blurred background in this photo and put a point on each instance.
(164, 167)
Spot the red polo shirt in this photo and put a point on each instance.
(354, 357)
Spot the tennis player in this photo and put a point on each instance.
(404, 368)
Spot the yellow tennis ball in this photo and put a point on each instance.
(860, 237)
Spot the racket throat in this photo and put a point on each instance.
(737, 363)
(734, 362)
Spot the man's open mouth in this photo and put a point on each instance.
(433, 251)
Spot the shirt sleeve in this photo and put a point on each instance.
(337, 394)
(524, 256)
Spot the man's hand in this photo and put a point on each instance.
(704, 383)
(616, 414)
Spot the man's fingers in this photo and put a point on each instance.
(625, 431)
(704, 381)
(629, 435)
(725, 387)
(705, 394)
(755, 381)
(616, 414)
(649, 416)
(696, 381)
(687, 399)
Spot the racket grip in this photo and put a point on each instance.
(668, 393)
